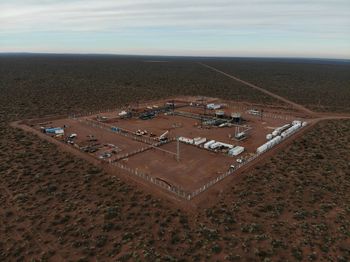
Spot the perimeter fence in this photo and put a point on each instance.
(177, 190)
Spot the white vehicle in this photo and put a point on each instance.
(239, 160)
(105, 155)
(72, 136)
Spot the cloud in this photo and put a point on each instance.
(108, 15)
(298, 19)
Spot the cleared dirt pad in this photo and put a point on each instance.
(196, 168)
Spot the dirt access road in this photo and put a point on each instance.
(318, 116)
(200, 199)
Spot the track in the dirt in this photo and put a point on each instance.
(293, 104)
(319, 116)
(316, 117)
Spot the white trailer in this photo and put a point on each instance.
(269, 144)
(207, 144)
(215, 145)
(291, 130)
(186, 140)
(199, 140)
(236, 151)
(226, 145)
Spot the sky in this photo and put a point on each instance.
(244, 28)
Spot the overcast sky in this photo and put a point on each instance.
(296, 28)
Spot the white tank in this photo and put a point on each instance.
(261, 149)
(275, 133)
(268, 137)
(296, 122)
(304, 124)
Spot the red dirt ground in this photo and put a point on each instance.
(196, 166)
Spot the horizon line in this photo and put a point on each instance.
(175, 56)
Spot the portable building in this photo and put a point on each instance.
(59, 132)
(236, 151)
(54, 130)
(226, 145)
(199, 140)
(186, 140)
(215, 145)
(207, 144)
(274, 141)
(115, 129)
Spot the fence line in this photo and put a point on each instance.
(117, 130)
(135, 172)
(179, 191)
(171, 188)
(265, 114)
(230, 172)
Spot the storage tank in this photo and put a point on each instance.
(219, 114)
(285, 127)
(236, 117)
(304, 124)
(296, 122)
(275, 133)
(268, 136)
